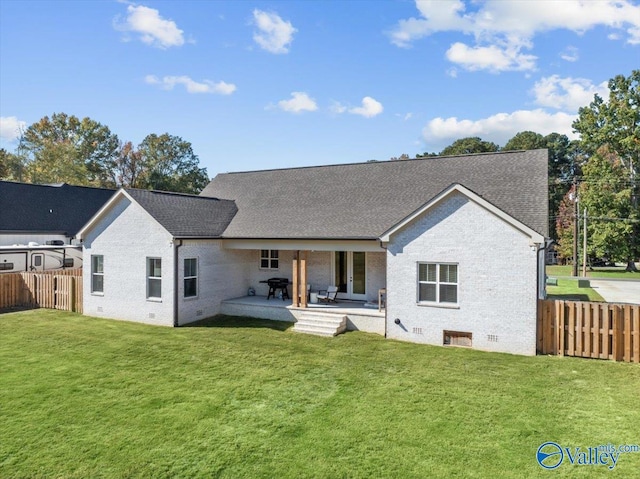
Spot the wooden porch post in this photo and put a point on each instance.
(295, 301)
(303, 280)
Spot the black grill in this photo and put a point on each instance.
(278, 283)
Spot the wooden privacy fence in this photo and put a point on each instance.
(54, 289)
(589, 330)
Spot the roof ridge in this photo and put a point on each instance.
(372, 162)
(175, 193)
(58, 185)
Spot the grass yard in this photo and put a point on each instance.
(567, 289)
(86, 398)
(603, 273)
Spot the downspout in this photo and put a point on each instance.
(176, 246)
(386, 299)
(542, 276)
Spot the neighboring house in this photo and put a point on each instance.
(457, 242)
(46, 213)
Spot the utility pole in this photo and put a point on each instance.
(575, 227)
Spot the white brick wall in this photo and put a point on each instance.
(496, 271)
(222, 274)
(376, 274)
(126, 237)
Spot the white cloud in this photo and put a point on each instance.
(570, 54)
(337, 107)
(151, 27)
(567, 94)
(298, 103)
(274, 34)
(498, 128)
(634, 35)
(206, 86)
(510, 26)
(10, 128)
(370, 108)
(492, 58)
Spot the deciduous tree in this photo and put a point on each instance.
(614, 123)
(465, 146)
(606, 193)
(170, 165)
(64, 148)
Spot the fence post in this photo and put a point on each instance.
(618, 328)
(539, 326)
(72, 294)
(559, 328)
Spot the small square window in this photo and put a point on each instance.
(269, 259)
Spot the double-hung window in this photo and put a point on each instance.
(154, 278)
(269, 259)
(438, 283)
(97, 273)
(190, 277)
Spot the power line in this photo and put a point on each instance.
(596, 218)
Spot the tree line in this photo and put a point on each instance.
(65, 149)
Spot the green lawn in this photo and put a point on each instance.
(609, 272)
(568, 290)
(86, 398)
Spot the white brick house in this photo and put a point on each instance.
(470, 275)
(457, 242)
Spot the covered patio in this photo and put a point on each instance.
(359, 317)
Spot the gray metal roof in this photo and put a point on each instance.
(363, 200)
(186, 216)
(59, 209)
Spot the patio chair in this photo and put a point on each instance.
(328, 295)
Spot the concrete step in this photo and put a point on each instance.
(321, 324)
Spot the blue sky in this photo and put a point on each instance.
(255, 85)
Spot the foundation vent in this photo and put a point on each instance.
(492, 338)
(417, 331)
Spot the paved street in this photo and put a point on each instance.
(617, 291)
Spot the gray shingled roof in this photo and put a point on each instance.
(187, 216)
(59, 209)
(363, 200)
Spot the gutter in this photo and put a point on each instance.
(176, 275)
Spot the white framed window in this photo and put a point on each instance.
(97, 273)
(438, 283)
(269, 259)
(154, 278)
(190, 277)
